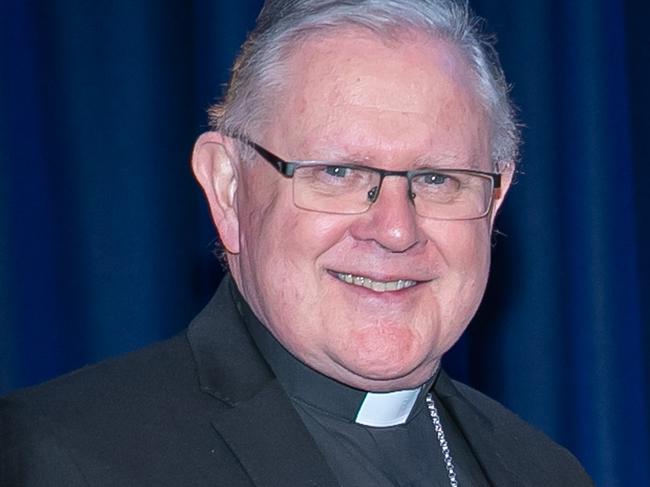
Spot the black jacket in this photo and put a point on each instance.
(204, 409)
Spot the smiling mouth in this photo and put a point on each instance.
(377, 286)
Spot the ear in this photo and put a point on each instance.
(507, 171)
(215, 168)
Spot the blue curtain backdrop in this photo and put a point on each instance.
(105, 241)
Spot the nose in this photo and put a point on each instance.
(391, 221)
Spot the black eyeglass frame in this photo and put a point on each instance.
(288, 168)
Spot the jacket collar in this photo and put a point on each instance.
(228, 362)
(260, 426)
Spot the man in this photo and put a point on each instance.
(354, 173)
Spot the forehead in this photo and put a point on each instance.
(349, 89)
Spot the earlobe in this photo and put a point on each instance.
(214, 166)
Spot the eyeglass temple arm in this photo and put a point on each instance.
(285, 168)
(497, 180)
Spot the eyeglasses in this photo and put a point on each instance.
(348, 189)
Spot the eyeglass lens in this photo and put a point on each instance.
(350, 190)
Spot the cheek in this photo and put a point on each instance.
(464, 245)
(293, 240)
(280, 249)
(465, 249)
(470, 265)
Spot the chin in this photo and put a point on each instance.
(385, 383)
(385, 373)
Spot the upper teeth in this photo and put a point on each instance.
(378, 286)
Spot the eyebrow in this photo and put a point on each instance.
(335, 155)
(447, 163)
(425, 162)
(342, 156)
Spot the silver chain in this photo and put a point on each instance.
(435, 419)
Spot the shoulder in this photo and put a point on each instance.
(526, 450)
(166, 363)
(498, 414)
(145, 418)
(97, 389)
(167, 368)
(502, 419)
(95, 417)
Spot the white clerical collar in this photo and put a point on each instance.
(382, 409)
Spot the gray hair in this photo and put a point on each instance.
(259, 69)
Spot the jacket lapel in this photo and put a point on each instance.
(269, 439)
(260, 425)
(480, 433)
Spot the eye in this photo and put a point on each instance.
(435, 179)
(337, 171)
(436, 183)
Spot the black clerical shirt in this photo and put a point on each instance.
(408, 454)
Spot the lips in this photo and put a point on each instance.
(375, 285)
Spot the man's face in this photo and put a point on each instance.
(402, 105)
